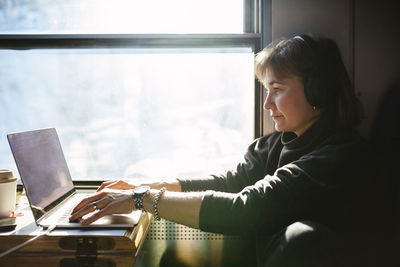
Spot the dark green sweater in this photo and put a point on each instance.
(321, 175)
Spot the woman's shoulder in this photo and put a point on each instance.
(265, 145)
(346, 137)
(268, 139)
(345, 145)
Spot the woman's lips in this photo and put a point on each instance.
(276, 117)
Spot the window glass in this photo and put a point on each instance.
(121, 16)
(131, 112)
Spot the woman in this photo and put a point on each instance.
(299, 191)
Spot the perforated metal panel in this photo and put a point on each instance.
(171, 244)
(166, 230)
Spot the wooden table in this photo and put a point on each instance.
(78, 247)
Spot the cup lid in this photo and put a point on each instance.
(6, 174)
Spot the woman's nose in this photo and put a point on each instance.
(268, 103)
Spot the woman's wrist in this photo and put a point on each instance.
(155, 203)
(174, 206)
(148, 200)
(172, 185)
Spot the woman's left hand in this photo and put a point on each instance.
(107, 201)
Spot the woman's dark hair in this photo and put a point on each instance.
(318, 63)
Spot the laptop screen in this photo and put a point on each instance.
(41, 165)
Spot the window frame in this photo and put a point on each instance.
(251, 37)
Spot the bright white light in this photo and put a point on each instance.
(123, 16)
(123, 113)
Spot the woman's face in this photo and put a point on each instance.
(288, 105)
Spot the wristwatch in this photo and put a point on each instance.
(138, 194)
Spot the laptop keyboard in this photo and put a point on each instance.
(64, 218)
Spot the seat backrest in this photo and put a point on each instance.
(385, 138)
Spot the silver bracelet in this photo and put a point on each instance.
(155, 203)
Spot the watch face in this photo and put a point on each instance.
(141, 189)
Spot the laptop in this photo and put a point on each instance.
(48, 184)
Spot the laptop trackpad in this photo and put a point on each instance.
(108, 221)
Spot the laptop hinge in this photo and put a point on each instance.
(54, 209)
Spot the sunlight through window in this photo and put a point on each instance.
(121, 16)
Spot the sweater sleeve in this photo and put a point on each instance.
(269, 203)
(246, 173)
(304, 189)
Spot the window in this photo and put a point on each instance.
(121, 16)
(146, 103)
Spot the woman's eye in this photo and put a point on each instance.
(276, 90)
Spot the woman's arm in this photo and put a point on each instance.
(178, 207)
(170, 185)
(174, 205)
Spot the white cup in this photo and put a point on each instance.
(8, 192)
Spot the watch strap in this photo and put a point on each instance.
(138, 198)
(138, 201)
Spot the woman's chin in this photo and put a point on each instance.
(279, 128)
